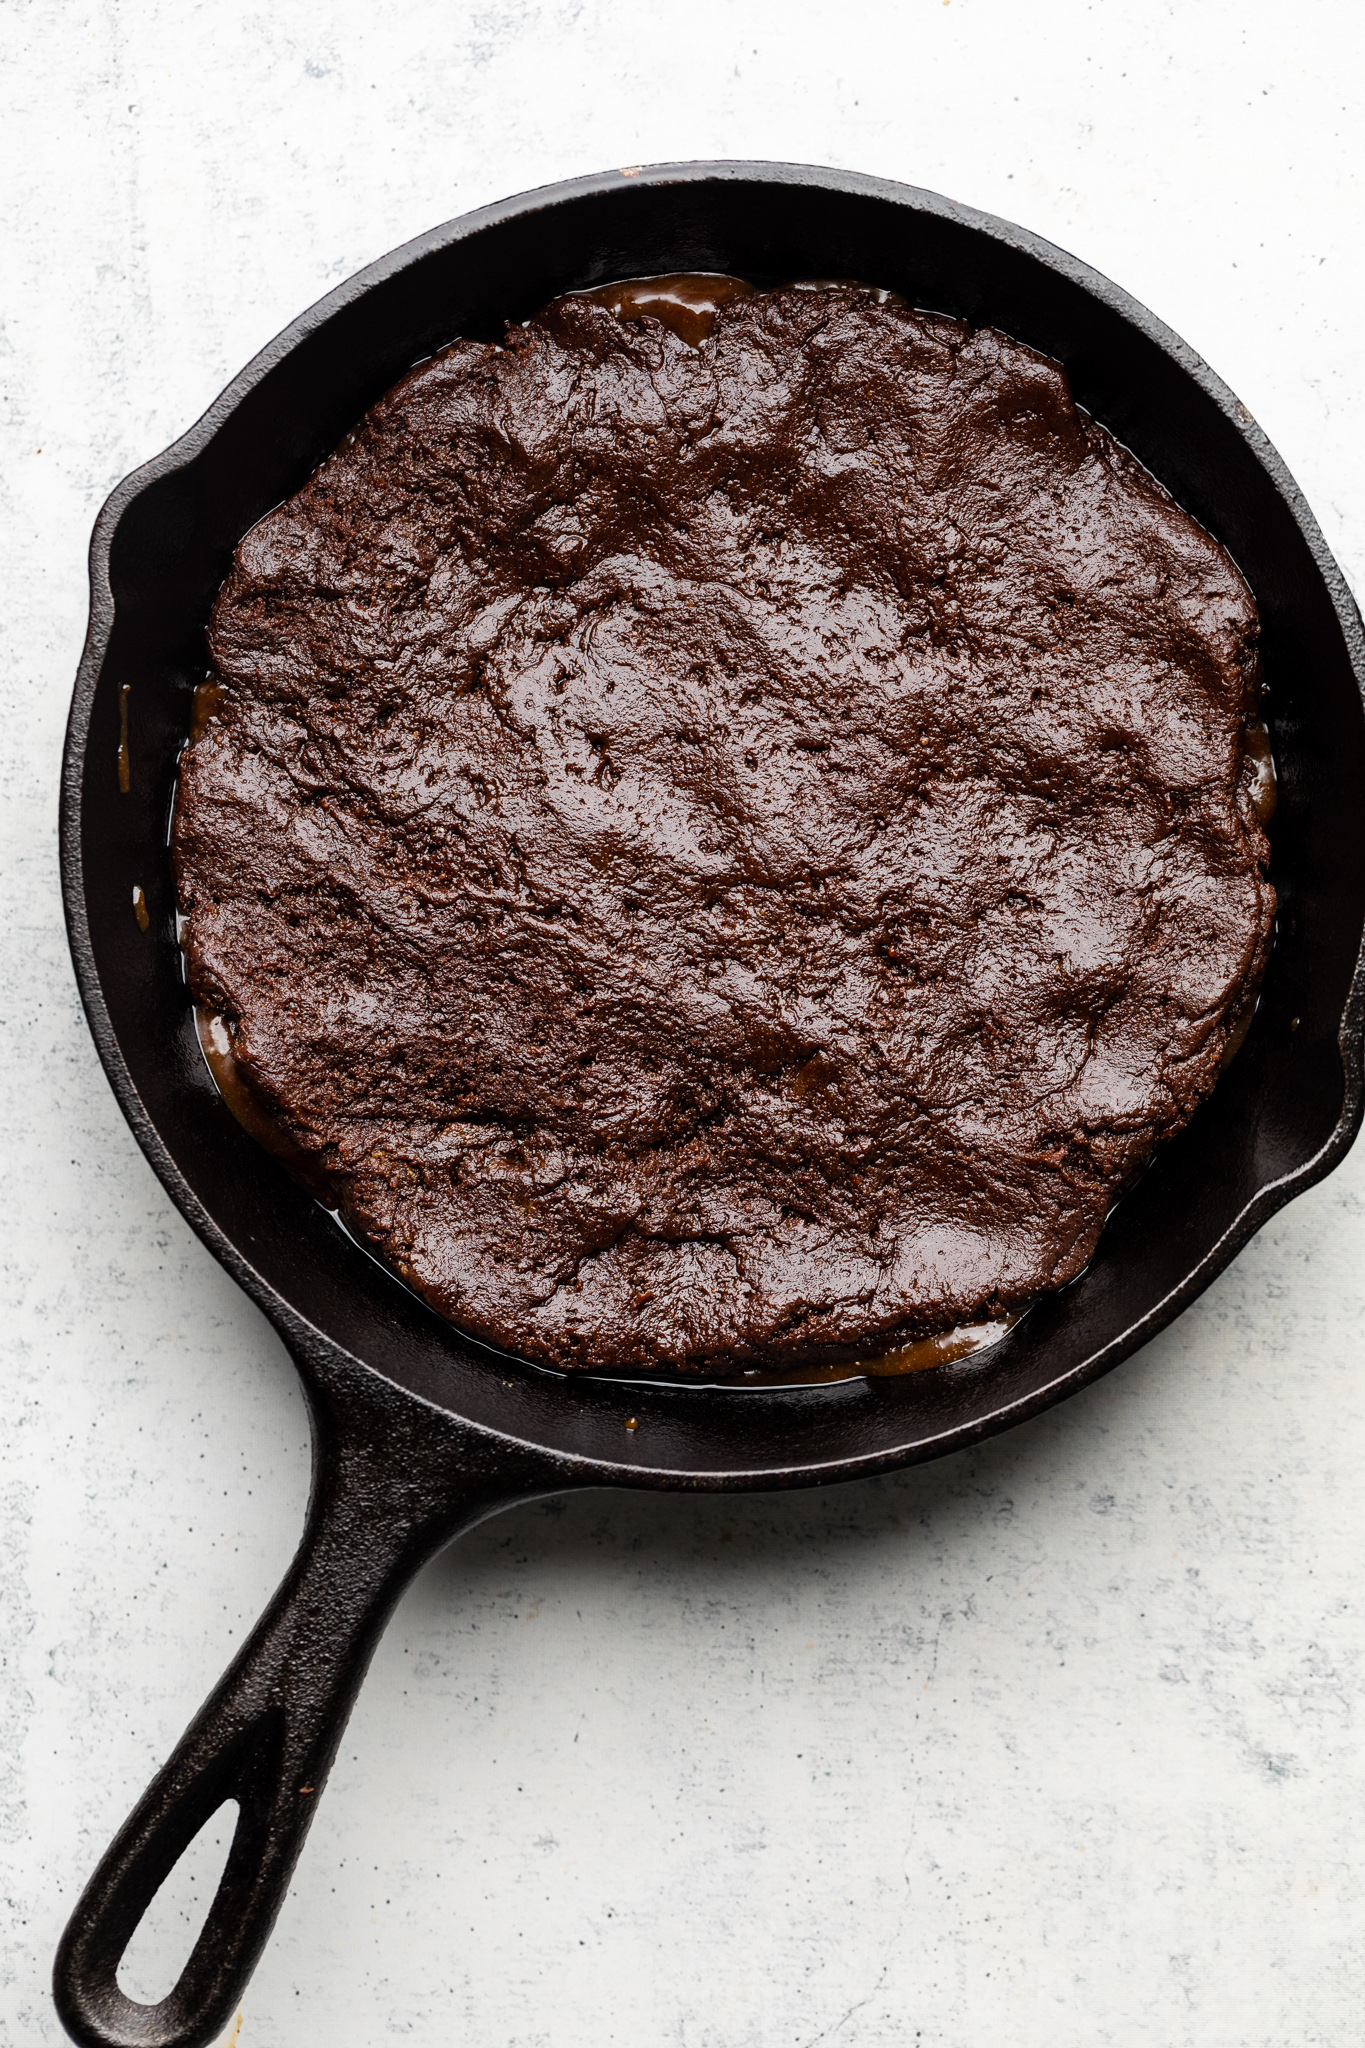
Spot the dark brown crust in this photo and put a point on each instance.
(722, 852)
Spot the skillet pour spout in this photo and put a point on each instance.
(418, 1431)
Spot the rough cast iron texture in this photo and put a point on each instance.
(419, 1433)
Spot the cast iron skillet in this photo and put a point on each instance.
(418, 1433)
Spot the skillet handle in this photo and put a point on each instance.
(386, 1495)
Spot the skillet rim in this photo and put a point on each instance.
(319, 1355)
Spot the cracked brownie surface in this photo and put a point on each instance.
(717, 853)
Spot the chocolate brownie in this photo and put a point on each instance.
(716, 848)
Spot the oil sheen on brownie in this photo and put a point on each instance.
(721, 852)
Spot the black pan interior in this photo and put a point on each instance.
(1285, 1110)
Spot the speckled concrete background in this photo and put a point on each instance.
(1059, 1743)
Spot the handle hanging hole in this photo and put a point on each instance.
(164, 1937)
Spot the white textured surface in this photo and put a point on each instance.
(1058, 1743)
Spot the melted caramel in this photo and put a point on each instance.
(921, 1356)
(207, 698)
(215, 1042)
(1261, 773)
(686, 301)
